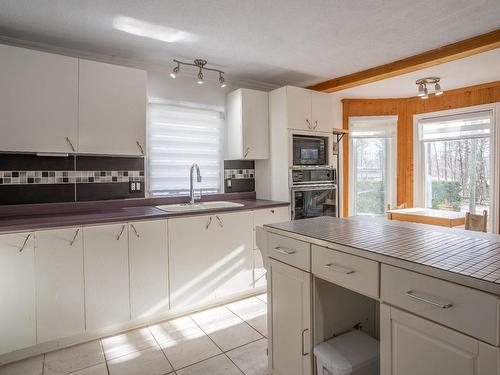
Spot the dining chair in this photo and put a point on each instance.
(476, 222)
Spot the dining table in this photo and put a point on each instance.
(431, 216)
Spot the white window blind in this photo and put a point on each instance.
(180, 135)
(464, 126)
(383, 127)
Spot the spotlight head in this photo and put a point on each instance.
(222, 81)
(200, 78)
(422, 90)
(438, 90)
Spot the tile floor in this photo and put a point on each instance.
(228, 339)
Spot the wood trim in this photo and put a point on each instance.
(450, 52)
(405, 109)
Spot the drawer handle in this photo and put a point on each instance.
(441, 305)
(340, 269)
(284, 250)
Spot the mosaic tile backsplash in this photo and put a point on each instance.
(239, 176)
(27, 178)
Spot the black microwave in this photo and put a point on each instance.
(310, 150)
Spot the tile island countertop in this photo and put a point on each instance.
(39, 217)
(463, 257)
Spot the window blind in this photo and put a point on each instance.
(372, 127)
(178, 137)
(464, 126)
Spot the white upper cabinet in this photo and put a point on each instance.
(38, 101)
(298, 108)
(60, 307)
(106, 275)
(148, 253)
(112, 109)
(17, 292)
(322, 112)
(304, 109)
(247, 125)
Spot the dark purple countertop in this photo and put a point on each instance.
(36, 217)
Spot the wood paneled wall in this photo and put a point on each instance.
(405, 108)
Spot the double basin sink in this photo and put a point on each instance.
(198, 206)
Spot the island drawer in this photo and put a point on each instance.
(290, 251)
(350, 271)
(467, 310)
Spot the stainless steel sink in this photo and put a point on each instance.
(198, 206)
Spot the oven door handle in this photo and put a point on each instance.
(314, 187)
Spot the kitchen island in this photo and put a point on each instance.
(429, 294)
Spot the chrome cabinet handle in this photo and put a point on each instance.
(25, 242)
(70, 144)
(304, 331)
(74, 237)
(340, 269)
(315, 124)
(140, 147)
(221, 223)
(284, 250)
(441, 305)
(121, 232)
(135, 231)
(209, 222)
(246, 152)
(308, 123)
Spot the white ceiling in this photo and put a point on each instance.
(468, 71)
(279, 42)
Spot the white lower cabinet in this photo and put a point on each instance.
(106, 275)
(210, 256)
(17, 292)
(411, 345)
(289, 320)
(148, 256)
(60, 310)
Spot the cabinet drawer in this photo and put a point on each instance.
(350, 271)
(464, 309)
(287, 250)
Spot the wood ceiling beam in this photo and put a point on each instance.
(450, 52)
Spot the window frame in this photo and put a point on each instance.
(186, 104)
(419, 155)
(352, 160)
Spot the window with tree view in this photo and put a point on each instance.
(455, 158)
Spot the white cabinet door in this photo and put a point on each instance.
(411, 345)
(17, 292)
(106, 275)
(260, 218)
(38, 101)
(60, 310)
(322, 112)
(298, 104)
(289, 316)
(148, 252)
(247, 125)
(112, 109)
(209, 257)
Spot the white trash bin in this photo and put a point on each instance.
(352, 353)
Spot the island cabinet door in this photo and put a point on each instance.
(289, 315)
(17, 292)
(106, 275)
(148, 251)
(60, 308)
(411, 345)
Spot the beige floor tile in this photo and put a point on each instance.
(253, 311)
(99, 369)
(226, 329)
(30, 366)
(74, 358)
(219, 365)
(263, 297)
(126, 343)
(251, 358)
(150, 361)
(183, 342)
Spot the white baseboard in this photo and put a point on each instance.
(110, 331)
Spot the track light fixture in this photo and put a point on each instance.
(422, 87)
(199, 63)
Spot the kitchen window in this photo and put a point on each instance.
(454, 162)
(180, 134)
(372, 161)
